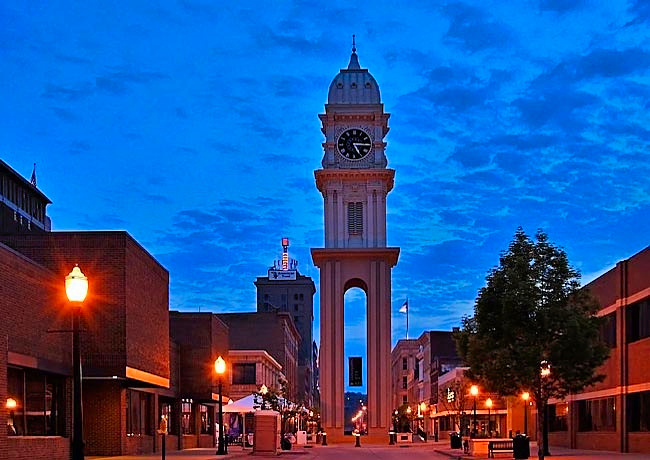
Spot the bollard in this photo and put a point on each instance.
(324, 439)
(391, 441)
(357, 443)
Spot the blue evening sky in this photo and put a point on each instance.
(193, 125)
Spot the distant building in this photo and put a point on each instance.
(403, 365)
(250, 370)
(22, 205)
(285, 289)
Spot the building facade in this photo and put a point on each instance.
(273, 332)
(285, 289)
(250, 370)
(22, 205)
(614, 414)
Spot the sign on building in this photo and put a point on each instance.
(282, 275)
(356, 371)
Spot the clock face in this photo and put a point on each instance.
(354, 144)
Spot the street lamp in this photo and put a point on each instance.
(220, 369)
(525, 396)
(76, 288)
(488, 404)
(545, 372)
(474, 391)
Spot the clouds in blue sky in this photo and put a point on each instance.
(193, 125)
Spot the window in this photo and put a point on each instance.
(404, 399)
(405, 364)
(295, 306)
(295, 297)
(638, 320)
(243, 374)
(557, 417)
(302, 297)
(39, 403)
(597, 415)
(138, 408)
(416, 370)
(355, 218)
(608, 330)
(638, 411)
(403, 382)
(166, 408)
(206, 419)
(187, 426)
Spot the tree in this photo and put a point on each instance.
(273, 399)
(534, 329)
(454, 399)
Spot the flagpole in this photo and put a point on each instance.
(407, 318)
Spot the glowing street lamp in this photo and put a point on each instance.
(525, 396)
(76, 288)
(474, 391)
(488, 404)
(220, 369)
(545, 372)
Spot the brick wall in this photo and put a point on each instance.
(147, 297)
(103, 421)
(31, 304)
(201, 338)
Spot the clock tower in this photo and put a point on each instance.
(354, 182)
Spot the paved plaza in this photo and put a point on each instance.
(423, 451)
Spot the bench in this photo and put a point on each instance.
(499, 446)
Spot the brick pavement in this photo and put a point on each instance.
(430, 450)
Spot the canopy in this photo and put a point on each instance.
(242, 406)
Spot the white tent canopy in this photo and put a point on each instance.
(242, 406)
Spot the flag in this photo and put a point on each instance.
(33, 179)
(405, 307)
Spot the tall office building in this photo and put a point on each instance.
(285, 289)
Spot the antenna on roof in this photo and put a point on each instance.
(354, 48)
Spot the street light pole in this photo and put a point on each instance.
(545, 372)
(525, 397)
(76, 288)
(220, 368)
(474, 391)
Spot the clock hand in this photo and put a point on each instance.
(359, 144)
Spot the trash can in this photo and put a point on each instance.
(520, 446)
(455, 440)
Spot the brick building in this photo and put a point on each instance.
(124, 363)
(192, 404)
(274, 332)
(614, 414)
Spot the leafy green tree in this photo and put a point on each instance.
(533, 328)
(273, 399)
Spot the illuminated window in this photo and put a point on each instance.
(186, 421)
(206, 419)
(38, 401)
(355, 218)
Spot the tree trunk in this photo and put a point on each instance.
(540, 435)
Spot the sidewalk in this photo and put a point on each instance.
(557, 453)
(379, 452)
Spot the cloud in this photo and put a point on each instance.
(473, 29)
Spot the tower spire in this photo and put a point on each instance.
(354, 60)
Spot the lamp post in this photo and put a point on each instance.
(220, 368)
(488, 404)
(525, 396)
(474, 391)
(76, 288)
(11, 405)
(545, 371)
(408, 416)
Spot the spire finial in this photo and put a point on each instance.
(354, 48)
